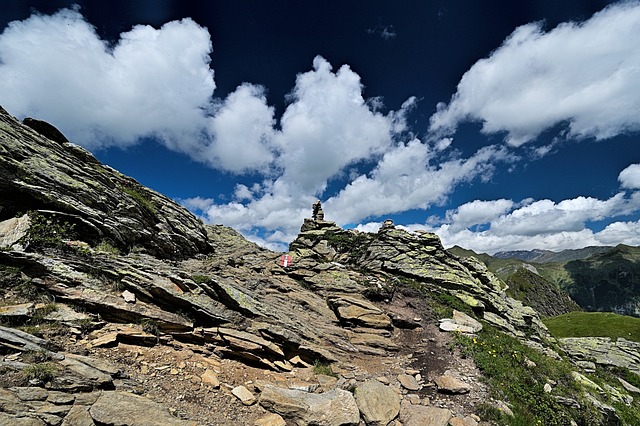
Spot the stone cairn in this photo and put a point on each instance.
(318, 213)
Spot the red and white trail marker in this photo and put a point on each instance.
(285, 260)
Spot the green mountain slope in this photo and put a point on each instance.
(594, 324)
(604, 281)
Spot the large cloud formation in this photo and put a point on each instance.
(331, 142)
(153, 82)
(578, 73)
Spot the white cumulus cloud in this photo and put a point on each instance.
(630, 177)
(579, 73)
(539, 224)
(152, 82)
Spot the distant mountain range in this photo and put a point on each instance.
(597, 278)
(546, 256)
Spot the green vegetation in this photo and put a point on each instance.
(143, 199)
(322, 368)
(540, 294)
(201, 279)
(502, 361)
(594, 324)
(150, 326)
(105, 246)
(43, 372)
(47, 230)
(347, 242)
(597, 278)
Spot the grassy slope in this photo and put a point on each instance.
(594, 324)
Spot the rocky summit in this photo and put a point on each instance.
(119, 307)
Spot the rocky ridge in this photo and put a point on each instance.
(120, 307)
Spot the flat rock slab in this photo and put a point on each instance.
(244, 395)
(334, 408)
(271, 419)
(126, 409)
(408, 382)
(467, 321)
(351, 310)
(448, 384)
(378, 404)
(447, 324)
(420, 415)
(210, 378)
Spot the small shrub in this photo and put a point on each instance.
(140, 197)
(85, 325)
(201, 279)
(150, 326)
(105, 246)
(35, 357)
(43, 372)
(40, 313)
(47, 231)
(322, 368)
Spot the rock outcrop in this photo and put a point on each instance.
(63, 181)
(604, 351)
(116, 303)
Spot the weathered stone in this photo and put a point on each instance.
(210, 378)
(448, 324)
(609, 413)
(297, 361)
(420, 415)
(326, 382)
(304, 386)
(12, 230)
(408, 382)
(628, 386)
(334, 408)
(89, 374)
(604, 351)
(126, 409)
(17, 339)
(30, 393)
(374, 341)
(67, 180)
(585, 382)
(10, 420)
(464, 319)
(78, 415)
(350, 310)
(449, 384)
(128, 296)
(377, 403)
(47, 130)
(60, 398)
(271, 419)
(15, 312)
(463, 421)
(244, 395)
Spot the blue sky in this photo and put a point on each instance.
(499, 125)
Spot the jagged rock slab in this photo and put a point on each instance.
(351, 310)
(604, 351)
(37, 173)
